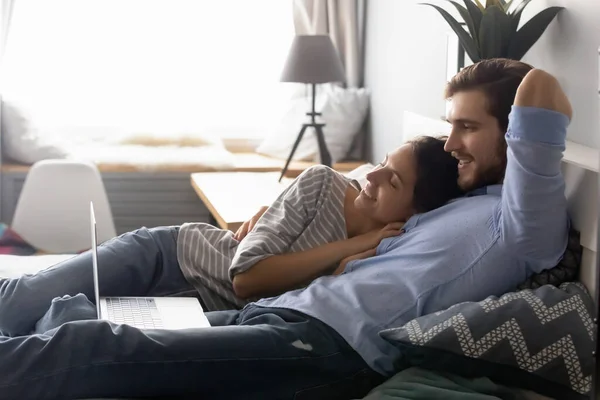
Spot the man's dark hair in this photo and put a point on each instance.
(498, 78)
(437, 173)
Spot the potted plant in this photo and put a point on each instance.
(493, 29)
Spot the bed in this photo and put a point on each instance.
(415, 382)
(15, 266)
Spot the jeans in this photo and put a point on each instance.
(254, 353)
(139, 263)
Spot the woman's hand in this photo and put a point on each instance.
(359, 256)
(371, 240)
(248, 225)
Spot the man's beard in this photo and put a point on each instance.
(493, 174)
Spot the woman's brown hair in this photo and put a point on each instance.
(437, 173)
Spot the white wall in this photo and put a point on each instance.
(405, 64)
(569, 50)
(405, 67)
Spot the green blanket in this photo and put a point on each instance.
(420, 384)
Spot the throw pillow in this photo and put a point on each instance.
(343, 112)
(540, 340)
(359, 174)
(21, 139)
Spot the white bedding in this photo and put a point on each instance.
(15, 266)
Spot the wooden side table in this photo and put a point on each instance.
(234, 197)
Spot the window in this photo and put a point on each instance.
(161, 65)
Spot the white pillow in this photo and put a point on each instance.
(418, 125)
(359, 173)
(21, 140)
(343, 112)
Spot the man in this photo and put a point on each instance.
(322, 341)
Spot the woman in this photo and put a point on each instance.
(321, 222)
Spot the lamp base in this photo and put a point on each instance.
(323, 151)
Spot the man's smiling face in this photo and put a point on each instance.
(476, 140)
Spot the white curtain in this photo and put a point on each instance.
(7, 7)
(5, 18)
(179, 66)
(343, 20)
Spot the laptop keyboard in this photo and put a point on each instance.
(135, 311)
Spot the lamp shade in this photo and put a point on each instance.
(313, 59)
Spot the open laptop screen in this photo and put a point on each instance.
(94, 250)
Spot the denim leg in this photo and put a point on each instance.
(66, 309)
(256, 353)
(139, 263)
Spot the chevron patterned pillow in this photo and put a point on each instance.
(541, 340)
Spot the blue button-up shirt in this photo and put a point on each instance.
(483, 244)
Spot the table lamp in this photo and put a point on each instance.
(312, 59)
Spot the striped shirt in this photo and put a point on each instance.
(309, 213)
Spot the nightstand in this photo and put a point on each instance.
(234, 197)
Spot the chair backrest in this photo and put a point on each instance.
(53, 210)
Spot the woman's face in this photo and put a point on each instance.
(388, 195)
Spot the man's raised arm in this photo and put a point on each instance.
(533, 219)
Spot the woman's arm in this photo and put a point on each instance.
(279, 273)
(247, 226)
(284, 221)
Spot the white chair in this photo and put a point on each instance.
(53, 210)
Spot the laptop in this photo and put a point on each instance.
(145, 312)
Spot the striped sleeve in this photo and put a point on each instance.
(284, 221)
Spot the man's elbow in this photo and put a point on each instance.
(541, 89)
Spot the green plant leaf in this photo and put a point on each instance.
(467, 18)
(476, 16)
(494, 34)
(530, 32)
(516, 14)
(465, 40)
